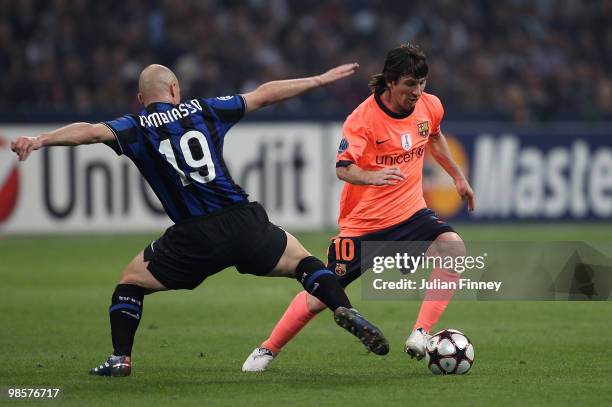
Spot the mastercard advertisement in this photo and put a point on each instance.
(526, 175)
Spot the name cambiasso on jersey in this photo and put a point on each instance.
(375, 137)
(157, 119)
(178, 150)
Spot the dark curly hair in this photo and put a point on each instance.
(407, 59)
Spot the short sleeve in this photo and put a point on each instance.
(228, 109)
(437, 114)
(125, 129)
(355, 139)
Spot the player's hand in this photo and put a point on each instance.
(386, 176)
(465, 192)
(23, 146)
(336, 73)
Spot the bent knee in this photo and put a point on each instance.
(136, 273)
(293, 255)
(148, 282)
(448, 244)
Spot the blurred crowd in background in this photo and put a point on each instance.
(527, 61)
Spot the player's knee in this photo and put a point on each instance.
(314, 304)
(132, 279)
(137, 274)
(448, 244)
(291, 258)
(449, 237)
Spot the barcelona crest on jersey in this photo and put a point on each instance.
(340, 269)
(423, 129)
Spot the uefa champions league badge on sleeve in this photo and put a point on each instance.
(344, 144)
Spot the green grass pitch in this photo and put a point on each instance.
(55, 292)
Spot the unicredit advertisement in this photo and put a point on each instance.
(91, 189)
(526, 175)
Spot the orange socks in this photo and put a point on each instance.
(436, 299)
(294, 319)
(297, 314)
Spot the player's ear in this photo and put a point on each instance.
(140, 99)
(175, 92)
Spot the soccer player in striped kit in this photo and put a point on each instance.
(380, 159)
(177, 146)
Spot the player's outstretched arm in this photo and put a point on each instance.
(438, 147)
(71, 135)
(277, 91)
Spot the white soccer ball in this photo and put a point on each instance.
(449, 352)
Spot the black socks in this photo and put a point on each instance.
(126, 308)
(321, 282)
(125, 313)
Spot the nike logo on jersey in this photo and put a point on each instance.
(382, 141)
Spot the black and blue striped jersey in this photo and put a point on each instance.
(179, 151)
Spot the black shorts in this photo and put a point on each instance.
(194, 249)
(344, 253)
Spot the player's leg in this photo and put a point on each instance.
(435, 301)
(321, 283)
(303, 308)
(300, 311)
(278, 253)
(312, 274)
(125, 313)
(268, 250)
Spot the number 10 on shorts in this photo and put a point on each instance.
(345, 249)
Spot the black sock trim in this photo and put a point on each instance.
(321, 282)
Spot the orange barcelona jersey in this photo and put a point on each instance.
(374, 137)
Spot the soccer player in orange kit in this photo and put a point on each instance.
(380, 159)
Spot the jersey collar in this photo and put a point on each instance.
(388, 111)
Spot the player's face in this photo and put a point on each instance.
(405, 92)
